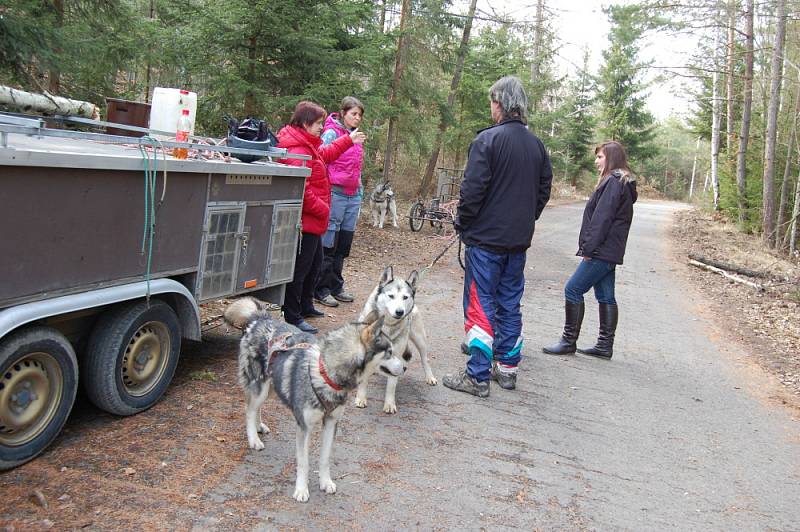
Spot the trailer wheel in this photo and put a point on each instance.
(38, 383)
(131, 357)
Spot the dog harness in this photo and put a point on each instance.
(280, 344)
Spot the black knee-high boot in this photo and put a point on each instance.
(605, 340)
(572, 328)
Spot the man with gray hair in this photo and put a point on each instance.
(505, 188)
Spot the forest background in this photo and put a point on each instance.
(423, 68)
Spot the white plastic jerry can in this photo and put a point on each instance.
(166, 107)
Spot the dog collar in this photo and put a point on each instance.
(326, 377)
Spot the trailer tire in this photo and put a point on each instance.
(38, 384)
(131, 356)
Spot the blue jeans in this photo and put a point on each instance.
(493, 287)
(344, 215)
(595, 273)
(337, 241)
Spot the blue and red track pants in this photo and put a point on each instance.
(493, 287)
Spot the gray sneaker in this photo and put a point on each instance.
(344, 297)
(507, 381)
(461, 382)
(328, 301)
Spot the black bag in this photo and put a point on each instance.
(250, 133)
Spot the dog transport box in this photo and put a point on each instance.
(108, 252)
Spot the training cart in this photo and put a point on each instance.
(441, 210)
(108, 250)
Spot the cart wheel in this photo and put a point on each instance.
(415, 216)
(131, 357)
(38, 383)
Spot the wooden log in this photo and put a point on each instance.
(728, 267)
(727, 275)
(47, 103)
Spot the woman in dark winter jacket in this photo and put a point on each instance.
(302, 136)
(604, 233)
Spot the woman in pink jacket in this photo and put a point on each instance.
(346, 192)
(302, 136)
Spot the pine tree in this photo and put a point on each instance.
(624, 117)
(576, 126)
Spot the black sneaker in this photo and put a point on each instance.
(344, 297)
(461, 382)
(507, 381)
(313, 313)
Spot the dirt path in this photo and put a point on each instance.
(672, 433)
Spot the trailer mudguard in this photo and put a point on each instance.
(186, 307)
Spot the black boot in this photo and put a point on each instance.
(572, 328)
(605, 340)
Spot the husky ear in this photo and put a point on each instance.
(376, 328)
(387, 277)
(412, 280)
(371, 332)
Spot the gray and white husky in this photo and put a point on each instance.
(381, 200)
(310, 375)
(393, 302)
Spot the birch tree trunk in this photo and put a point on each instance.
(768, 190)
(405, 13)
(795, 216)
(787, 169)
(715, 122)
(729, 80)
(427, 178)
(47, 103)
(744, 134)
(694, 167)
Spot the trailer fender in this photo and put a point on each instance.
(183, 302)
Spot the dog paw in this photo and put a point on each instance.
(431, 380)
(361, 403)
(328, 486)
(395, 225)
(256, 444)
(389, 408)
(263, 428)
(301, 494)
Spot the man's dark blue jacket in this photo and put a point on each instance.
(505, 188)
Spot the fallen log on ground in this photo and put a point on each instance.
(47, 103)
(728, 267)
(726, 274)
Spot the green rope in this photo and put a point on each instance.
(150, 173)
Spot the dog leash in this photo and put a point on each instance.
(455, 239)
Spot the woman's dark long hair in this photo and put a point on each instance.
(306, 113)
(348, 102)
(616, 159)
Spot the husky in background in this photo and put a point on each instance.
(392, 301)
(381, 199)
(310, 375)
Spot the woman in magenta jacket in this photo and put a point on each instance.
(346, 192)
(302, 136)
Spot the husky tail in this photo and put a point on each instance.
(243, 310)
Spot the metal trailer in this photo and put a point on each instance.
(89, 295)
